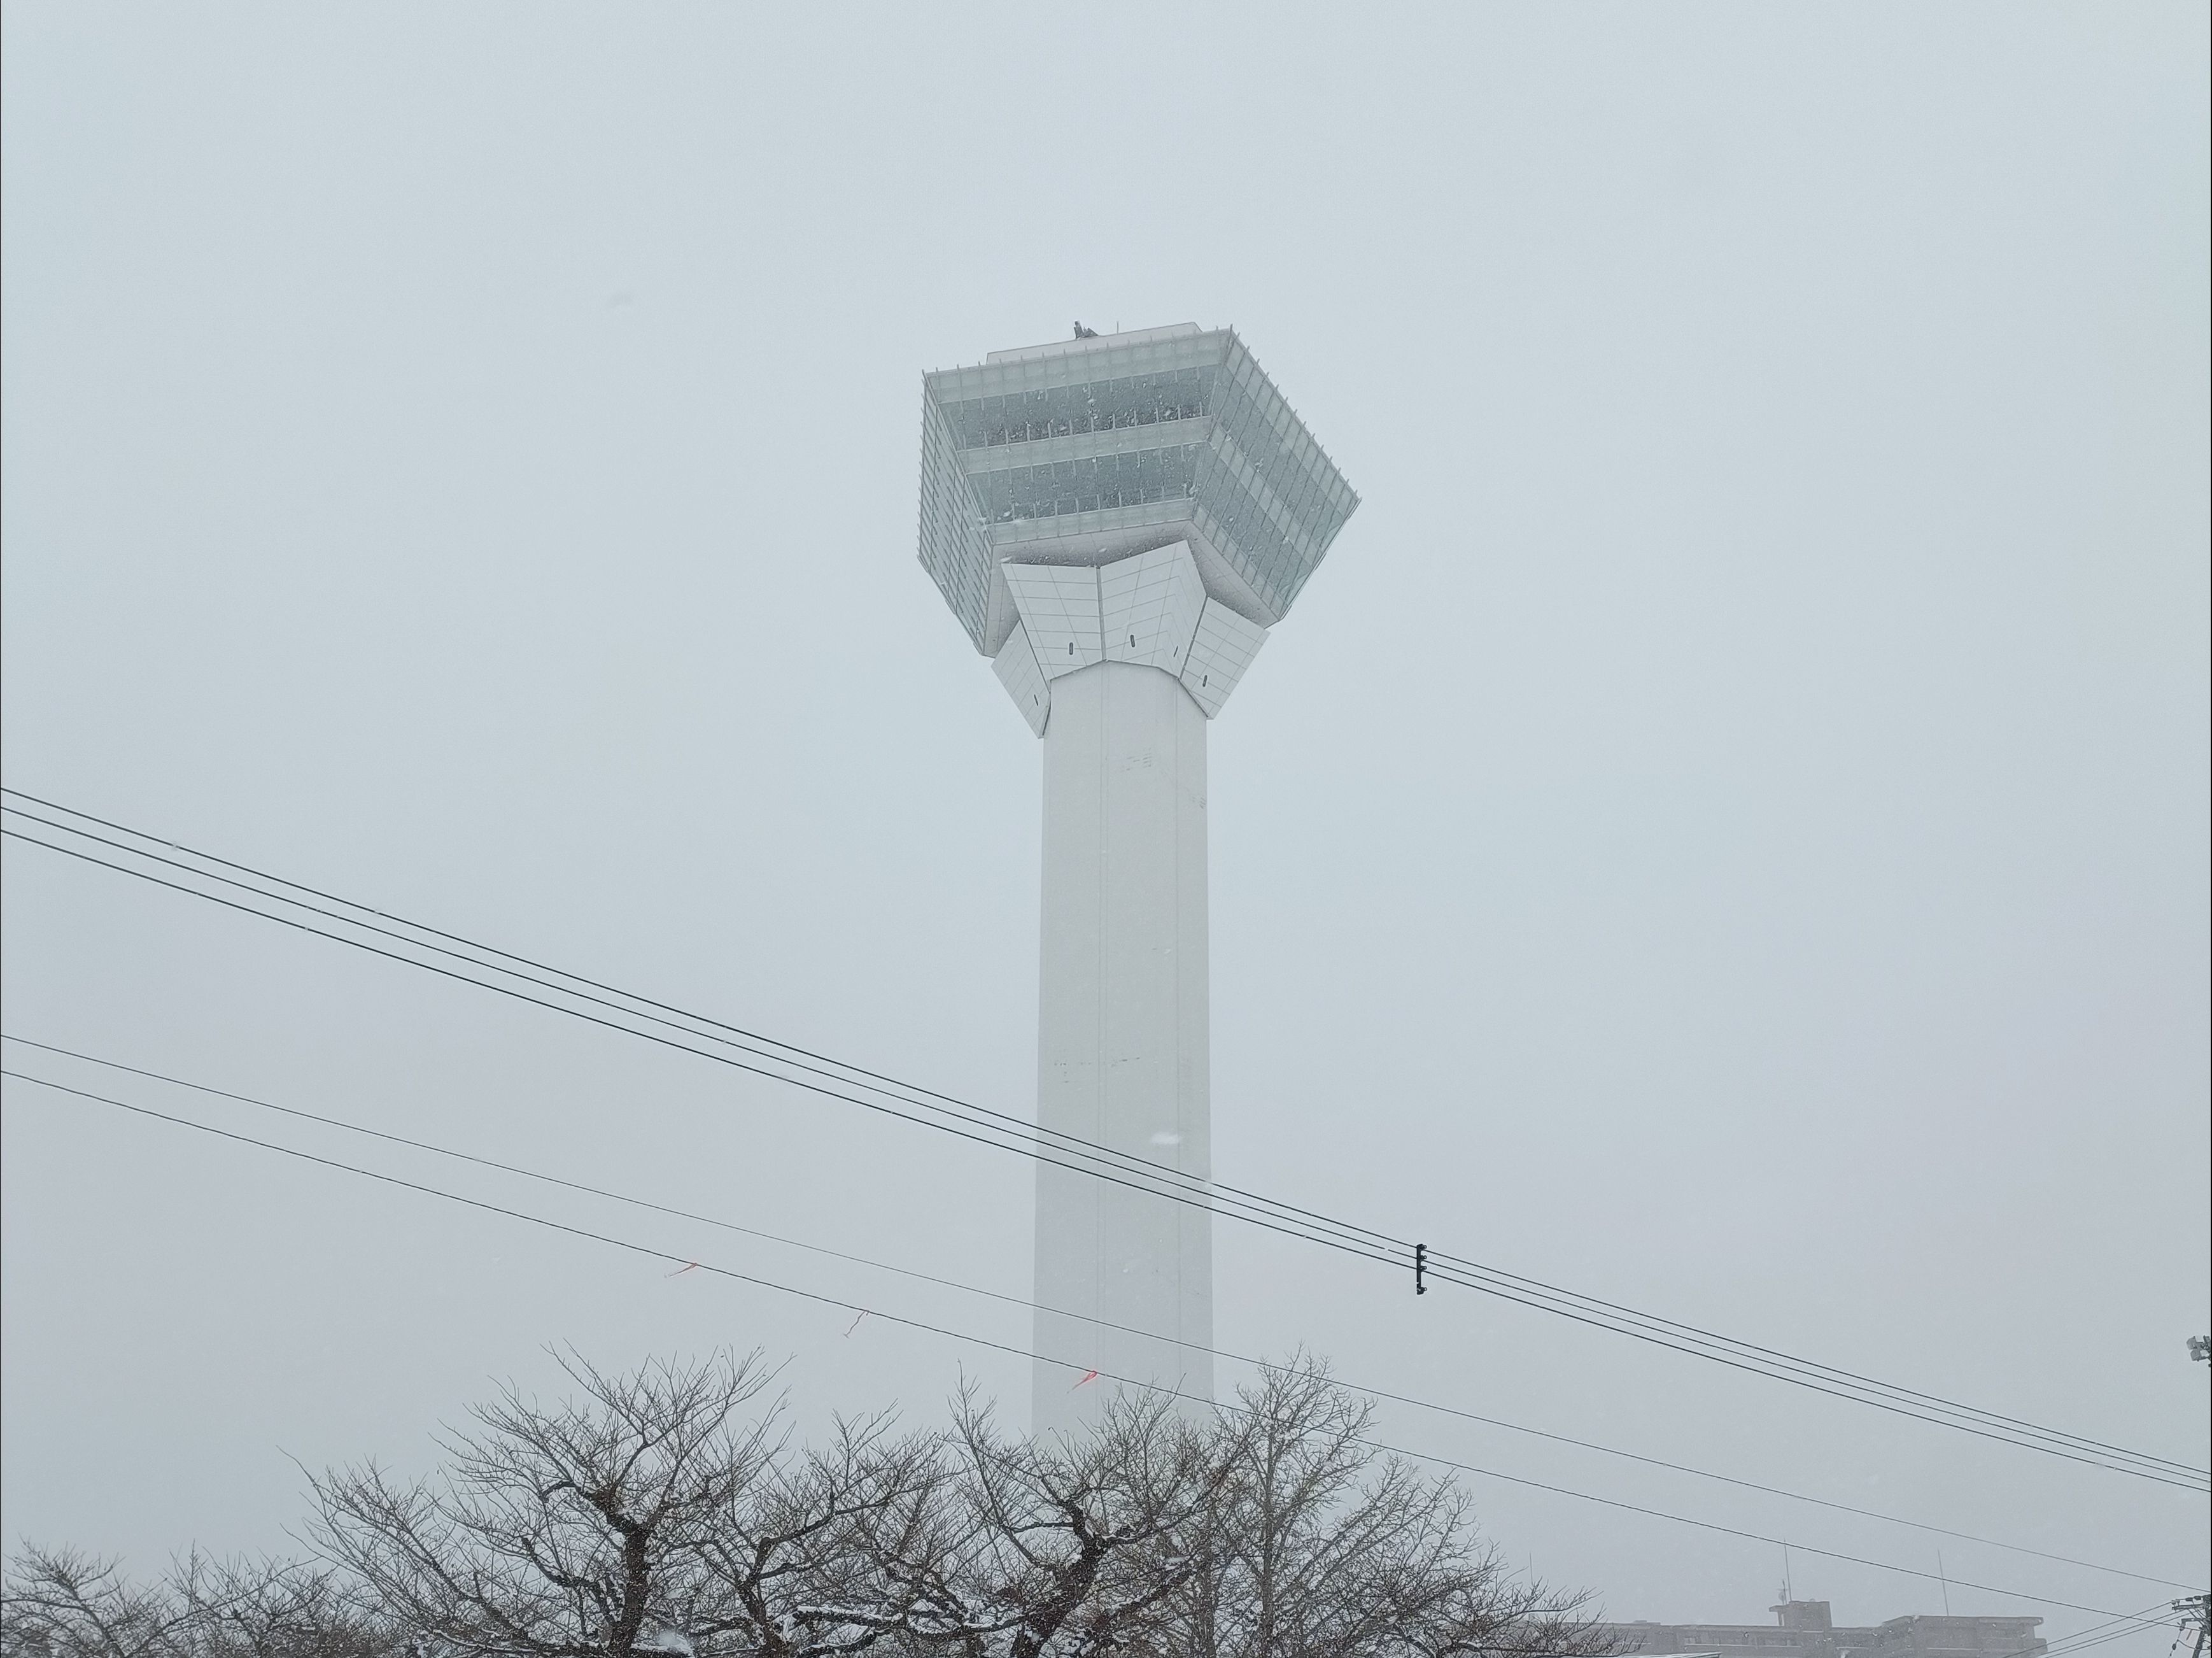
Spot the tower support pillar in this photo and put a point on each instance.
(1122, 1038)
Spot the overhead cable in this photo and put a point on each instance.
(1378, 1393)
(1013, 1350)
(822, 1076)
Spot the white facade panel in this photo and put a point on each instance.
(1224, 648)
(1149, 607)
(1123, 1041)
(1059, 607)
(1016, 665)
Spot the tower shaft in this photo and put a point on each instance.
(1122, 1038)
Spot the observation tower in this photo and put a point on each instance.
(1117, 521)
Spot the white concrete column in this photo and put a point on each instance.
(1122, 1046)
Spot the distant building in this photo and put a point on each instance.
(1802, 1628)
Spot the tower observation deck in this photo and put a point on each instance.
(1117, 521)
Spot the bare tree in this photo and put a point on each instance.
(651, 1516)
(63, 1604)
(663, 1513)
(1322, 1547)
(1062, 1547)
(283, 1609)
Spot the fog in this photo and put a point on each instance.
(1725, 830)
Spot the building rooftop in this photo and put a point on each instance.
(1091, 342)
(1804, 1629)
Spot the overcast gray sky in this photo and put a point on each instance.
(1725, 829)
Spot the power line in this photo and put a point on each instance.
(846, 1069)
(1172, 1195)
(1011, 1350)
(1026, 1303)
(1745, 1356)
(2104, 1640)
(2097, 1634)
(1775, 1355)
(1529, 1293)
(1193, 1193)
(1136, 1173)
(1543, 1298)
